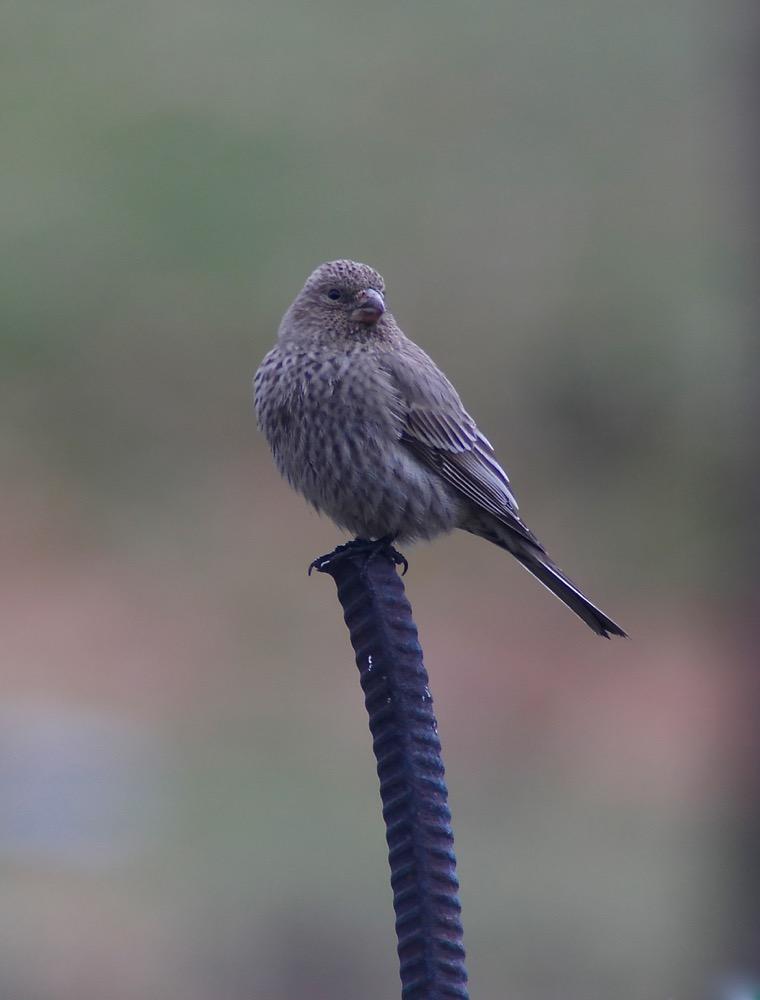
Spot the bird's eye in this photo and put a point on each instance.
(334, 294)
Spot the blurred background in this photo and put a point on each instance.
(561, 197)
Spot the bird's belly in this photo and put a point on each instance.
(337, 441)
(360, 475)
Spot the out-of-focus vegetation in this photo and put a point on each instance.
(558, 197)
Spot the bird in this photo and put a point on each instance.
(363, 423)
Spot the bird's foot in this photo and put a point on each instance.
(371, 548)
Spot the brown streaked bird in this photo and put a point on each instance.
(364, 424)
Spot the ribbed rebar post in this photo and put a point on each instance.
(410, 768)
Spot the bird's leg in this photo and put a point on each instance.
(370, 548)
(386, 547)
(321, 562)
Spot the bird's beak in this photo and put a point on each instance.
(369, 307)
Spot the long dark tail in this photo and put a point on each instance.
(535, 560)
(547, 573)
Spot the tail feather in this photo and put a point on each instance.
(548, 574)
(535, 560)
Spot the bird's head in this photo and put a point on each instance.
(341, 297)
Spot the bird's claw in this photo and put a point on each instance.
(371, 547)
(399, 559)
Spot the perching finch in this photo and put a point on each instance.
(364, 424)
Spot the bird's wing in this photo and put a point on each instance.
(440, 433)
